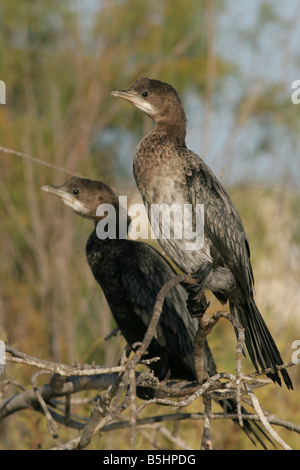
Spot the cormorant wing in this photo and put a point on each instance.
(222, 222)
(143, 277)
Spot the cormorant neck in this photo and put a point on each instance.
(174, 133)
(173, 127)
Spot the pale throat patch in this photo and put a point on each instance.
(145, 107)
(76, 205)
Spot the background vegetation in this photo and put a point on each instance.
(233, 64)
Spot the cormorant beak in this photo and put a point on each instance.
(133, 98)
(126, 95)
(58, 191)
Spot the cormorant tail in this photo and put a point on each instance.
(252, 429)
(261, 346)
(230, 406)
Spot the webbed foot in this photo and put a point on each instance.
(196, 302)
(198, 305)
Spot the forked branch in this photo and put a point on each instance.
(120, 383)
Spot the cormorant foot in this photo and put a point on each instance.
(196, 302)
(197, 306)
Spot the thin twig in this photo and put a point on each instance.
(218, 387)
(102, 414)
(264, 420)
(157, 309)
(239, 355)
(50, 421)
(61, 369)
(272, 419)
(190, 399)
(205, 326)
(206, 443)
(96, 416)
(36, 160)
(132, 391)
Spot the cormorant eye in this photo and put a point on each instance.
(145, 93)
(75, 191)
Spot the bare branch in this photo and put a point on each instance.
(75, 384)
(205, 326)
(132, 391)
(121, 382)
(61, 369)
(263, 419)
(36, 160)
(206, 443)
(50, 421)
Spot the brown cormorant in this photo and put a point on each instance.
(167, 172)
(131, 273)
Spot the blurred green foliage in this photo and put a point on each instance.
(60, 62)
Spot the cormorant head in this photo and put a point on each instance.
(84, 196)
(158, 100)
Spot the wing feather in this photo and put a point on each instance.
(142, 280)
(223, 225)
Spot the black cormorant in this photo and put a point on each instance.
(131, 273)
(167, 172)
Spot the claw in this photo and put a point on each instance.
(196, 302)
(197, 306)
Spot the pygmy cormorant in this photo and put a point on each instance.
(167, 172)
(131, 273)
